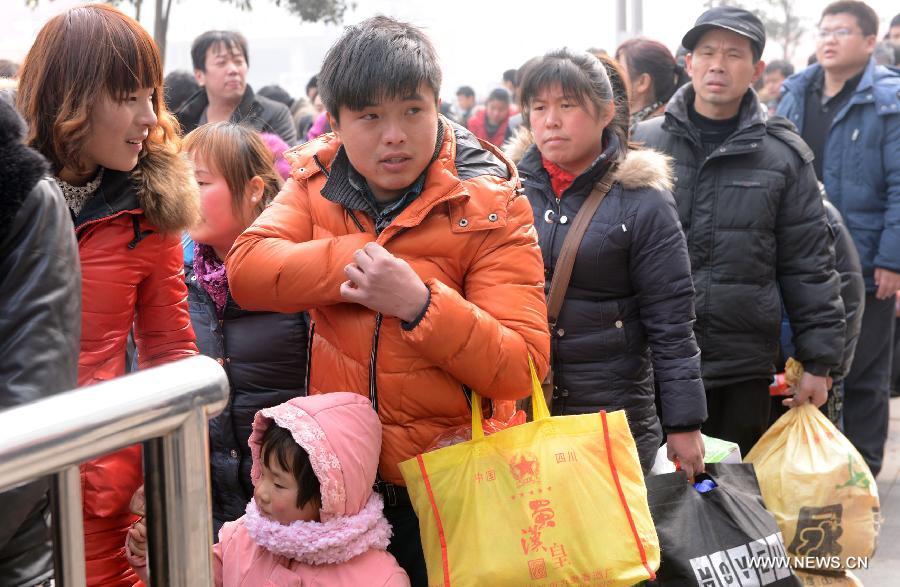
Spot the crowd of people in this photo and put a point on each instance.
(361, 258)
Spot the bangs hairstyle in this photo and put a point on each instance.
(291, 457)
(79, 58)
(237, 153)
(582, 77)
(379, 59)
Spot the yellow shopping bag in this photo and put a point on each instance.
(556, 500)
(819, 488)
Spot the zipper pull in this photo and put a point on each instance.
(855, 135)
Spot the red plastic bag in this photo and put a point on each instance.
(464, 433)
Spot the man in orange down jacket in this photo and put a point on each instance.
(410, 245)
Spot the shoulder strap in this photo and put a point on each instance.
(563, 271)
(784, 130)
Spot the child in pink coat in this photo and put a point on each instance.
(314, 519)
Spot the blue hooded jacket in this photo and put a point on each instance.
(861, 167)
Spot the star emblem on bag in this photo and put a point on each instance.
(525, 468)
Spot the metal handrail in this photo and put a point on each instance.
(167, 409)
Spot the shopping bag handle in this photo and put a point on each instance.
(538, 403)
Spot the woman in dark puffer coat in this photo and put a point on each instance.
(628, 313)
(264, 353)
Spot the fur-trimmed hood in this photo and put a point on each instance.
(21, 167)
(341, 434)
(162, 186)
(641, 168)
(167, 189)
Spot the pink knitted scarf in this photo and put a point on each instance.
(321, 543)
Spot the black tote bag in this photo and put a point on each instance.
(722, 538)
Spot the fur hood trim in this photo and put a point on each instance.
(21, 167)
(642, 168)
(645, 168)
(167, 190)
(517, 144)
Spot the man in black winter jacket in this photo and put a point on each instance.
(220, 67)
(40, 327)
(853, 295)
(750, 207)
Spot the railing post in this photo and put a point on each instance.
(177, 483)
(155, 504)
(166, 406)
(68, 527)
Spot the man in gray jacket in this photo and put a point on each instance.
(221, 62)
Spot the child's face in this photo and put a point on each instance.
(276, 496)
(390, 143)
(219, 225)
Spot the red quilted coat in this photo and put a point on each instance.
(131, 265)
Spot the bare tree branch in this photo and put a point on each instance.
(328, 11)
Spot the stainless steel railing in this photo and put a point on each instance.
(166, 408)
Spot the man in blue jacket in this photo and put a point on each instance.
(848, 110)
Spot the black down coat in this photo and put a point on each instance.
(755, 223)
(264, 354)
(853, 294)
(629, 309)
(40, 327)
(853, 286)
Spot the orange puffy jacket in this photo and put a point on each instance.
(468, 235)
(132, 273)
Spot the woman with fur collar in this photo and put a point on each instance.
(628, 313)
(91, 92)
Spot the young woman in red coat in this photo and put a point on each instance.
(91, 92)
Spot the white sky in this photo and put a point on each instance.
(476, 39)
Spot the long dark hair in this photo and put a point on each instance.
(642, 55)
(582, 76)
(622, 117)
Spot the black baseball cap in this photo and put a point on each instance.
(730, 18)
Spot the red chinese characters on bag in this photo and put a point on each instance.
(526, 470)
(542, 517)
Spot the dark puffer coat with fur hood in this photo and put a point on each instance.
(40, 321)
(628, 313)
